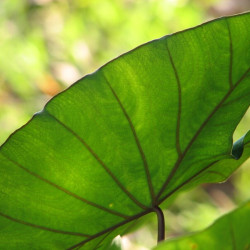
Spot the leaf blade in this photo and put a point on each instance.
(129, 136)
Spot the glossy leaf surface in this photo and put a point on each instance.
(124, 139)
(229, 232)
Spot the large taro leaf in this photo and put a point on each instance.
(124, 139)
(229, 232)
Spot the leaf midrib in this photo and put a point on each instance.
(137, 141)
(178, 147)
(108, 171)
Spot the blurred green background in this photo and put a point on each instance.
(47, 45)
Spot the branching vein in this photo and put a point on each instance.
(108, 171)
(180, 159)
(145, 164)
(178, 147)
(65, 190)
(42, 227)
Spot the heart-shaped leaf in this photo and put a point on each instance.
(229, 232)
(119, 142)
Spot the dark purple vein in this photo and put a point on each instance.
(186, 182)
(42, 227)
(192, 177)
(65, 190)
(144, 160)
(180, 159)
(149, 210)
(231, 55)
(119, 184)
(178, 147)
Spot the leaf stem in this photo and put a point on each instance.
(161, 224)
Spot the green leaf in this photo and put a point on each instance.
(231, 231)
(121, 141)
